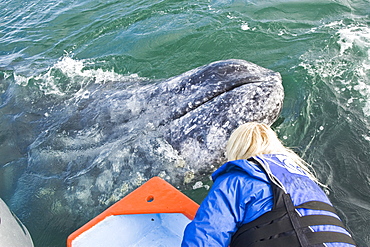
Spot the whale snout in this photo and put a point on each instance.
(205, 84)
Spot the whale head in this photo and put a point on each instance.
(213, 100)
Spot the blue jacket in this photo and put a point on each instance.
(242, 192)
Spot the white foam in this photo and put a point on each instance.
(359, 37)
(245, 26)
(76, 74)
(347, 69)
(353, 36)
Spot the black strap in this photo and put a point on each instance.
(316, 220)
(329, 237)
(295, 219)
(317, 205)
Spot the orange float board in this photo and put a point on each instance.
(154, 196)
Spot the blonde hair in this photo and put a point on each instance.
(253, 139)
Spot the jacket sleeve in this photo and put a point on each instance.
(222, 211)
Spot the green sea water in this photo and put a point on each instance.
(52, 49)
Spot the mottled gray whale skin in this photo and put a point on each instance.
(110, 138)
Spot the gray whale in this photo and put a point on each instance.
(98, 146)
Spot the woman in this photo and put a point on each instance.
(264, 195)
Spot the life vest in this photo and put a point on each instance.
(283, 225)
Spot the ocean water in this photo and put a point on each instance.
(50, 51)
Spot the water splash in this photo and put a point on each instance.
(68, 76)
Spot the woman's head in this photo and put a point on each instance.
(252, 139)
